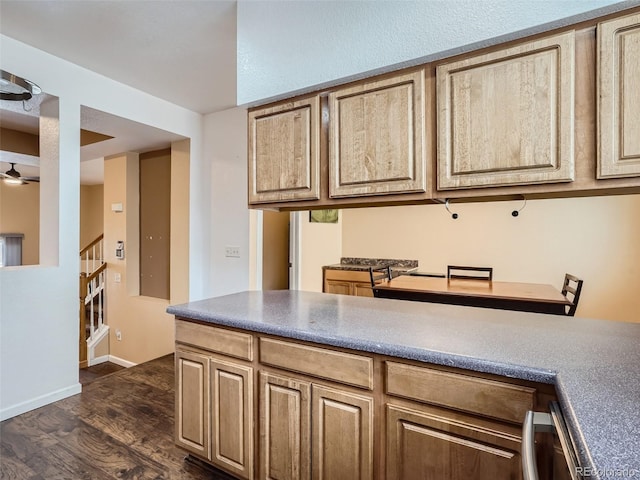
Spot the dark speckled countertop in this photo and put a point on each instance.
(363, 264)
(594, 364)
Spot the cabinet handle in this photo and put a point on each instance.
(533, 422)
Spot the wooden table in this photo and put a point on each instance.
(524, 297)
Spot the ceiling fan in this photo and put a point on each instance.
(13, 177)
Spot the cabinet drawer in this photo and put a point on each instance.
(319, 362)
(470, 394)
(219, 340)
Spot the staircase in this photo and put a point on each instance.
(92, 296)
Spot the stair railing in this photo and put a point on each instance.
(92, 256)
(94, 298)
(92, 289)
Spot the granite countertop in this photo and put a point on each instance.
(594, 364)
(363, 264)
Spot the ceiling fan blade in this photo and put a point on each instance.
(30, 179)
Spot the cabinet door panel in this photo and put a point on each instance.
(507, 117)
(284, 428)
(428, 447)
(362, 290)
(284, 152)
(376, 142)
(342, 436)
(342, 288)
(192, 402)
(619, 97)
(231, 417)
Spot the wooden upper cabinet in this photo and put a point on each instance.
(377, 137)
(619, 97)
(507, 117)
(284, 151)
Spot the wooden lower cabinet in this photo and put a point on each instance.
(300, 411)
(232, 417)
(347, 282)
(431, 447)
(313, 431)
(192, 402)
(342, 434)
(285, 427)
(339, 287)
(214, 411)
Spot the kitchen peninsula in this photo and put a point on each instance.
(278, 383)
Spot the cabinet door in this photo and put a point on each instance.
(342, 438)
(431, 447)
(362, 290)
(284, 151)
(192, 402)
(336, 286)
(285, 408)
(619, 97)
(506, 118)
(376, 141)
(232, 417)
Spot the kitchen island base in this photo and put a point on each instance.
(269, 407)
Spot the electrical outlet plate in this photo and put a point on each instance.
(232, 252)
(118, 334)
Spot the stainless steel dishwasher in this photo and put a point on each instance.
(553, 423)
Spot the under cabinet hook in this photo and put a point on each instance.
(446, 205)
(515, 213)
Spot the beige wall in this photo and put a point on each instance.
(20, 213)
(320, 244)
(147, 330)
(595, 238)
(91, 213)
(179, 261)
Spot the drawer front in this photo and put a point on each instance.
(462, 392)
(215, 339)
(348, 275)
(319, 362)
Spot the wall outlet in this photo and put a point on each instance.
(117, 277)
(118, 334)
(232, 252)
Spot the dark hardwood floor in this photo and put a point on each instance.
(120, 426)
(89, 374)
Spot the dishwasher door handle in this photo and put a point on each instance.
(533, 422)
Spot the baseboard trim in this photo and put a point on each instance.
(40, 401)
(122, 362)
(99, 360)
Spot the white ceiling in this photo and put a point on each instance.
(183, 51)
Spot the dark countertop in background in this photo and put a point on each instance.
(363, 264)
(594, 364)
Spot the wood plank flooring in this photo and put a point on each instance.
(89, 374)
(120, 427)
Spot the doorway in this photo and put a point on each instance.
(275, 250)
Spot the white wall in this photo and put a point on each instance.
(39, 305)
(595, 238)
(286, 46)
(225, 153)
